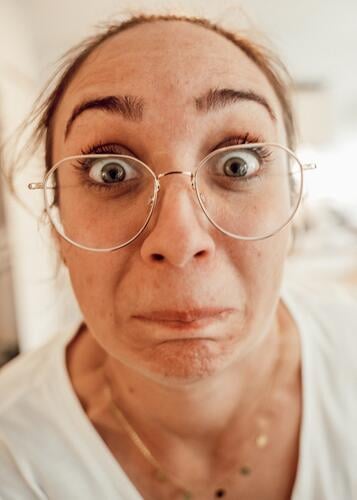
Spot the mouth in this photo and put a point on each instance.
(192, 319)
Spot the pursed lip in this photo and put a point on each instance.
(185, 318)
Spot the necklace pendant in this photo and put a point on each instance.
(245, 470)
(261, 441)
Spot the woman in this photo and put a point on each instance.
(170, 185)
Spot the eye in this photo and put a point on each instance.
(238, 163)
(111, 170)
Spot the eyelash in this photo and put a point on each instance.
(263, 152)
(236, 140)
(245, 138)
(104, 148)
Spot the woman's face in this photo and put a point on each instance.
(183, 301)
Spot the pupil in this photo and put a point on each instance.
(112, 173)
(236, 167)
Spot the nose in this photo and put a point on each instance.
(179, 233)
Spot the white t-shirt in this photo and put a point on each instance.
(50, 450)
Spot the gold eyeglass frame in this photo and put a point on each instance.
(157, 178)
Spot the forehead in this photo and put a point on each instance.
(174, 58)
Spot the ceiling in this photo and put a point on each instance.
(316, 38)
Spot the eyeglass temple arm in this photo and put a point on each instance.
(309, 166)
(36, 185)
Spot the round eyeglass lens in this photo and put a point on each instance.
(250, 191)
(99, 202)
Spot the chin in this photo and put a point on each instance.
(186, 361)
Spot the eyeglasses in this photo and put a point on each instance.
(103, 202)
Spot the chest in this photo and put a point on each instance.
(245, 474)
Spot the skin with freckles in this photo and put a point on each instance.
(140, 303)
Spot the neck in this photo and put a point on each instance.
(200, 411)
(196, 429)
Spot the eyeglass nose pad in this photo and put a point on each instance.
(151, 201)
(202, 198)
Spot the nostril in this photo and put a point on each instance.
(157, 257)
(201, 253)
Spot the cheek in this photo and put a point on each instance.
(94, 278)
(271, 257)
(260, 265)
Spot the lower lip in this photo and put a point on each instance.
(196, 324)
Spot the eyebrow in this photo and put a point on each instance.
(132, 107)
(129, 107)
(219, 98)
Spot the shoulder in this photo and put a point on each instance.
(27, 382)
(325, 307)
(21, 404)
(30, 420)
(24, 373)
(326, 316)
(14, 483)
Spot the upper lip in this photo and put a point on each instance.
(186, 316)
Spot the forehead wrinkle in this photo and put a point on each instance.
(103, 70)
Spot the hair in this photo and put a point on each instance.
(48, 101)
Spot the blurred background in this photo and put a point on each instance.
(317, 39)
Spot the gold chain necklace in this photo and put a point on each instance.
(261, 441)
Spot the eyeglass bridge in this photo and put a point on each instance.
(179, 172)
